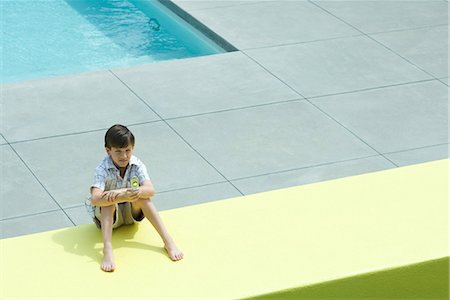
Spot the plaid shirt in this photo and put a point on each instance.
(107, 177)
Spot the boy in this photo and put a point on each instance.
(114, 203)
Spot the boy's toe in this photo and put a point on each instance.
(107, 268)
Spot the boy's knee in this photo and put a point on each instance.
(143, 202)
(108, 210)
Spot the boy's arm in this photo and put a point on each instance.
(146, 190)
(101, 198)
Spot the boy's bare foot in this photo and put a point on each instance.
(174, 253)
(108, 264)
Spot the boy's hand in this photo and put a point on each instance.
(125, 195)
(131, 195)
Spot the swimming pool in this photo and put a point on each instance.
(43, 38)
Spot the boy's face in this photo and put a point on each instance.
(120, 156)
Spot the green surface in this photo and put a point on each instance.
(427, 280)
(384, 222)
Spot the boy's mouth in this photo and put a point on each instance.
(123, 162)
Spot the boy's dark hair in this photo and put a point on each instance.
(118, 136)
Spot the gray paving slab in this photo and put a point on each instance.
(271, 23)
(33, 224)
(395, 118)
(265, 139)
(336, 66)
(171, 163)
(422, 155)
(204, 84)
(21, 194)
(193, 196)
(69, 104)
(379, 16)
(192, 5)
(312, 175)
(2, 141)
(67, 168)
(79, 215)
(425, 47)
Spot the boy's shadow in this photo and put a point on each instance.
(86, 240)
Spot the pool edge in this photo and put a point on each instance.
(220, 41)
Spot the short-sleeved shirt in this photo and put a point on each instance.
(107, 177)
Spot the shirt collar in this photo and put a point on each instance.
(111, 165)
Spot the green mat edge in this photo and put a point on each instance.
(424, 280)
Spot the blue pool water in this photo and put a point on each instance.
(42, 38)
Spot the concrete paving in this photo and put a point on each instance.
(318, 90)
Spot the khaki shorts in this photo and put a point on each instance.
(123, 215)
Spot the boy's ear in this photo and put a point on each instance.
(107, 150)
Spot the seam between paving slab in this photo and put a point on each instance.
(373, 39)
(374, 88)
(41, 184)
(74, 133)
(408, 29)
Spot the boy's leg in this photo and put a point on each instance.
(107, 219)
(152, 215)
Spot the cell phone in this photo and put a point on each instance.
(134, 182)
